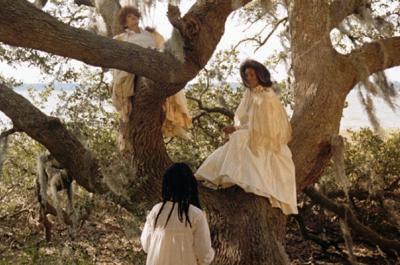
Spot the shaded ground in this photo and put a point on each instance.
(110, 236)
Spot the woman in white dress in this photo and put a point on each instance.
(177, 117)
(176, 231)
(256, 157)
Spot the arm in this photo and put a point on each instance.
(269, 126)
(202, 240)
(242, 110)
(147, 232)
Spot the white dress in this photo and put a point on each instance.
(177, 244)
(256, 157)
(177, 117)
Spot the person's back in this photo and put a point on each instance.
(177, 243)
(176, 231)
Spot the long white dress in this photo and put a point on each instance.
(177, 244)
(177, 117)
(256, 157)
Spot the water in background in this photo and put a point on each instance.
(354, 116)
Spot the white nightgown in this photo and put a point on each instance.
(177, 244)
(177, 117)
(256, 157)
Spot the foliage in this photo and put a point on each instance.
(371, 161)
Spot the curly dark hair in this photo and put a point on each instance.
(263, 75)
(125, 11)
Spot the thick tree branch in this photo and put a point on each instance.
(340, 9)
(375, 56)
(49, 131)
(202, 28)
(24, 25)
(344, 212)
(307, 235)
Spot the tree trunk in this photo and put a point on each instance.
(323, 80)
(245, 228)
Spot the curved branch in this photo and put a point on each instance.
(375, 56)
(344, 212)
(49, 131)
(65, 147)
(340, 9)
(24, 25)
(202, 27)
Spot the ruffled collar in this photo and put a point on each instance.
(258, 89)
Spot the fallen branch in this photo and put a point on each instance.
(344, 212)
(324, 244)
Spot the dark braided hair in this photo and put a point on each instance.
(180, 187)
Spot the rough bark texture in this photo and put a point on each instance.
(319, 89)
(50, 132)
(24, 25)
(109, 12)
(245, 229)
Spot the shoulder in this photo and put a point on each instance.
(156, 208)
(195, 209)
(196, 213)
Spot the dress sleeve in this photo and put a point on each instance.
(202, 240)
(269, 125)
(241, 111)
(147, 232)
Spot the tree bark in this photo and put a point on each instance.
(23, 25)
(50, 132)
(245, 228)
(320, 89)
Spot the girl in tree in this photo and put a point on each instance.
(176, 231)
(256, 157)
(177, 117)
